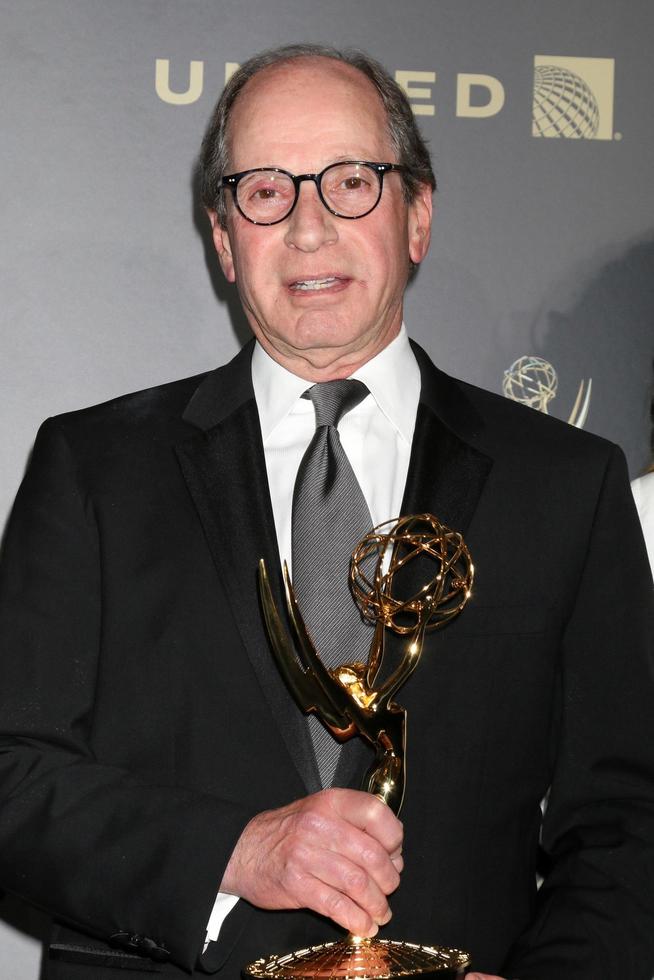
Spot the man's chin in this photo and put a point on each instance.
(326, 362)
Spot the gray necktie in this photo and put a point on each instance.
(330, 516)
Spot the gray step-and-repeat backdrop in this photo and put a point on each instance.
(540, 281)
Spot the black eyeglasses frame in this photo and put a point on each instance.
(380, 169)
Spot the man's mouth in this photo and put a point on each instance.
(307, 285)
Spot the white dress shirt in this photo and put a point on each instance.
(376, 436)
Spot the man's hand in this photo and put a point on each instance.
(338, 852)
(482, 976)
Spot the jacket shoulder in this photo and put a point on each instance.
(160, 401)
(509, 427)
(134, 423)
(500, 427)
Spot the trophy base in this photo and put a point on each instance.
(354, 958)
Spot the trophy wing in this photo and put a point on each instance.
(310, 683)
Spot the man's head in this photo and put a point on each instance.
(323, 293)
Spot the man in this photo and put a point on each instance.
(156, 774)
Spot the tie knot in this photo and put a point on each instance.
(334, 399)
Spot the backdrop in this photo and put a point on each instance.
(540, 281)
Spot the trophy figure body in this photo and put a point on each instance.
(352, 699)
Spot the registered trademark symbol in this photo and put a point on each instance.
(617, 136)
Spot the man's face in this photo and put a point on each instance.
(301, 117)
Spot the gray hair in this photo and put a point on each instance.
(410, 146)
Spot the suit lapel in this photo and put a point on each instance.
(224, 468)
(446, 473)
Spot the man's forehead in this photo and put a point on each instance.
(307, 68)
(319, 107)
(305, 76)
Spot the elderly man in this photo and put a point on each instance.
(162, 793)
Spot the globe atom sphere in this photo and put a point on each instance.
(413, 573)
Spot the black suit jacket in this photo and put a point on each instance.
(143, 721)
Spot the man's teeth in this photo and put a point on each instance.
(314, 283)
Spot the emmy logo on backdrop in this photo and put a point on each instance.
(532, 381)
(433, 565)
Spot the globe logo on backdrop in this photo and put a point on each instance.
(532, 381)
(563, 104)
(573, 98)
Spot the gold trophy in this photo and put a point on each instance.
(352, 699)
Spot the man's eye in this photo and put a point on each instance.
(355, 183)
(265, 193)
(350, 184)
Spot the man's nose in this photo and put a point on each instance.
(310, 225)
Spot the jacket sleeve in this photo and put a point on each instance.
(595, 914)
(94, 845)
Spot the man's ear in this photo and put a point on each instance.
(419, 219)
(222, 245)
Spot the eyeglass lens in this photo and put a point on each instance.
(348, 189)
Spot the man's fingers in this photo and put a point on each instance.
(336, 823)
(355, 883)
(363, 851)
(343, 911)
(370, 815)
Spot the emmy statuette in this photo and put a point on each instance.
(351, 699)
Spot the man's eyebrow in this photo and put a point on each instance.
(343, 158)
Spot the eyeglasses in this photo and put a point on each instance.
(267, 195)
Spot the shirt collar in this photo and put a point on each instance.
(276, 389)
(392, 377)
